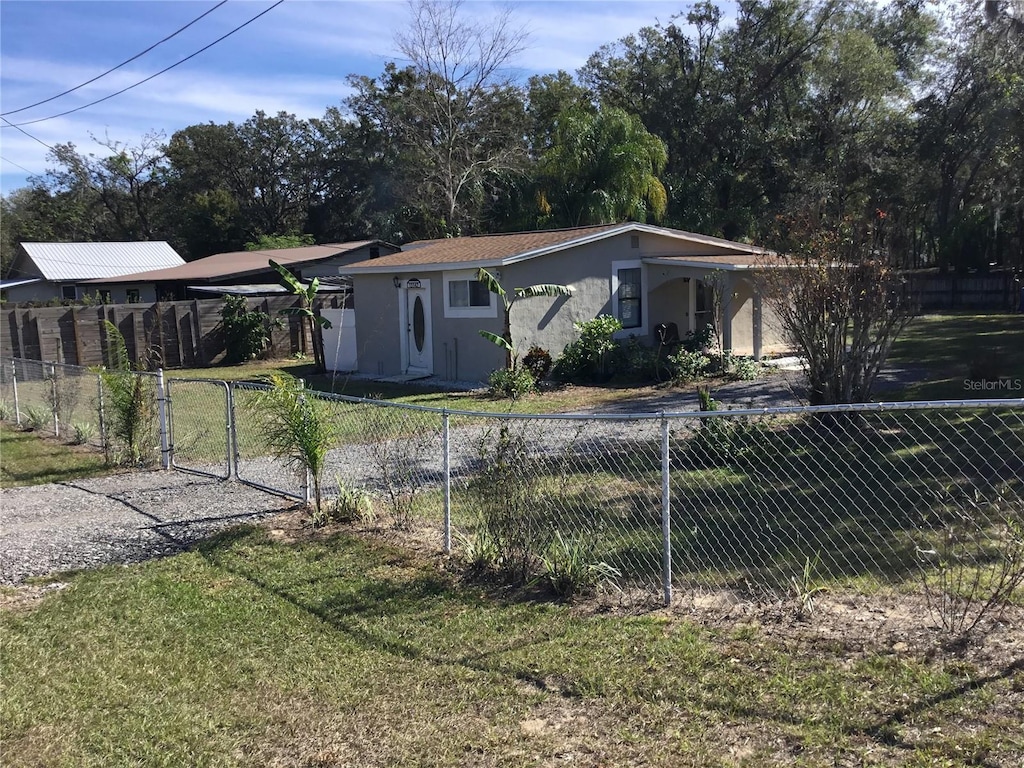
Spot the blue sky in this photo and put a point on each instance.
(295, 58)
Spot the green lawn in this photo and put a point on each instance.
(951, 351)
(26, 459)
(257, 649)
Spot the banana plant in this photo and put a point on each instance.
(315, 323)
(490, 282)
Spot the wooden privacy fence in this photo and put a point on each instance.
(997, 291)
(185, 333)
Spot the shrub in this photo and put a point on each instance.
(745, 369)
(245, 330)
(538, 362)
(84, 432)
(512, 383)
(721, 440)
(686, 366)
(634, 361)
(514, 512)
(6, 411)
(586, 359)
(352, 504)
(700, 340)
(479, 549)
(570, 569)
(38, 418)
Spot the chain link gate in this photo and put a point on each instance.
(200, 426)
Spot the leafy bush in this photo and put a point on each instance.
(538, 362)
(700, 340)
(570, 569)
(745, 369)
(352, 504)
(84, 432)
(514, 512)
(38, 418)
(245, 330)
(721, 440)
(512, 383)
(635, 361)
(585, 360)
(686, 366)
(479, 549)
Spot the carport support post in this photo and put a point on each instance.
(14, 381)
(447, 483)
(165, 438)
(666, 510)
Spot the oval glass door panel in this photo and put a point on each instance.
(419, 325)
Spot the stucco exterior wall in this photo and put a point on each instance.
(376, 312)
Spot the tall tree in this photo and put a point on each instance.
(602, 167)
(455, 115)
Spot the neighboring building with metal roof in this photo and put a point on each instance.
(59, 269)
(251, 268)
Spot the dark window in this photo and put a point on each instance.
(468, 293)
(374, 252)
(132, 294)
(629, 298)
(68, 293)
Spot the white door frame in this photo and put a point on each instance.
(426, 358)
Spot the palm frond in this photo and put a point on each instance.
(543, 289)
(494, 338)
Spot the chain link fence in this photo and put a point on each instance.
(199, 424)
(756, 505)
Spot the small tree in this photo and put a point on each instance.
(839, 303)
(315, 323)
(299, 428)
(505, 340)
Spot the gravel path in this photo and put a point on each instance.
(123, 518)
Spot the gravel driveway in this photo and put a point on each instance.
(122, 518)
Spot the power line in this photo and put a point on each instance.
(11, 162)
(112, 69)
(22, 130)
(146, 80)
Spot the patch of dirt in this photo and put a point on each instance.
(27, 597)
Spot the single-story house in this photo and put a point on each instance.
(419, 310)
(238, 270)
(45, 271)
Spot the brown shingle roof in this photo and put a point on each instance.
(240, 263)
(482, 248)
(515, 246)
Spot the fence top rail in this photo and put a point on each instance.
(920, 405)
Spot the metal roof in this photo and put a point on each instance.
(257, 290)
(241, 263)
(496, 250)
(85, 261)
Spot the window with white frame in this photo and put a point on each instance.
(628, 295)
(465, 296)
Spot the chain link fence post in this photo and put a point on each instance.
(666, 514)
(54, 400)
(14, 382)
(306, 480)
(102, 418)
(232, 433)
(447, 483)
(161, 404)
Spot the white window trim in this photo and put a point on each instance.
(466, 312)
(641, 331)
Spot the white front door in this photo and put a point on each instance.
(418, 349)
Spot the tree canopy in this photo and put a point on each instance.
(846, 108)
